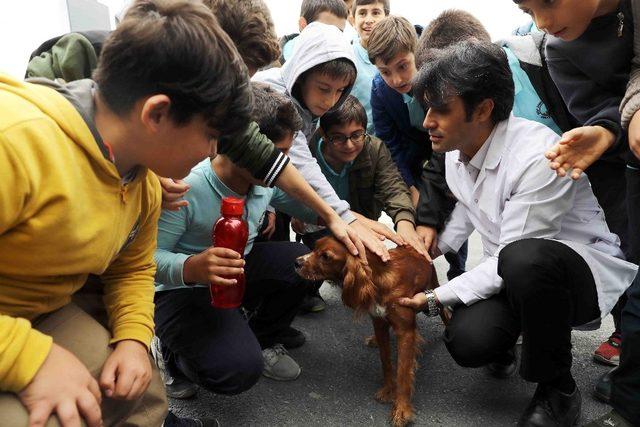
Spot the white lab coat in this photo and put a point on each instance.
(516, 196)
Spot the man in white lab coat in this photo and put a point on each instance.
(550, 262)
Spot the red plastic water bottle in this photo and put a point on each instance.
(232, 232)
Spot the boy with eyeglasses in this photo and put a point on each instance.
(360, 169)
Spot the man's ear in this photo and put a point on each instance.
(155, 111)
(302, 23)
(484, 110)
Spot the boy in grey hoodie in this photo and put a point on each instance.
(318, 77)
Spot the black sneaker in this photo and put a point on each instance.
(551, 407)
(602, 390)
(290, 338)
(610, 419)
(172, 420)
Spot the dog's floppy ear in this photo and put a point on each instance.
(358, 290)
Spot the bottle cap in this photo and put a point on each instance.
(232, 206)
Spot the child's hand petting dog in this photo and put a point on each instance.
(407, 231)
(578, 149)
(211, 265)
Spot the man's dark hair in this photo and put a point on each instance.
(275, 113)
(385, 5)
(351, 110)
(249, 25)
(473, 70)
(175, 48)
(311, 9)
(450, 27)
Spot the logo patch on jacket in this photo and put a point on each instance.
(132, 235)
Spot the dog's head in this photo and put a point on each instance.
(330, 260)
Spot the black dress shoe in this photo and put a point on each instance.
(602, 390)
(552, 408)
(504, 368)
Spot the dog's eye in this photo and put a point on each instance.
(325, 256)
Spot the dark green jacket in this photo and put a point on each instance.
(375, 183)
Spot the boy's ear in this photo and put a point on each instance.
(302, 23)
(154, 111)
(484, 110)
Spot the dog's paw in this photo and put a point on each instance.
(386, 394)
(401, 415)
(371, 341)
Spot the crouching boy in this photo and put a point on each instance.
(217, 348)
(77, 198)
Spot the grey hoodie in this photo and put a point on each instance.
(316, 44)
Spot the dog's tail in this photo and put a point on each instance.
(358, 290)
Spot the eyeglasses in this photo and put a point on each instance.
(356, 137)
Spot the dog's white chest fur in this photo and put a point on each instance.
(376, 310)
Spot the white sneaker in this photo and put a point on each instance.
(278, 365)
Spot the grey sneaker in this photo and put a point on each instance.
(278, 365)
(177, 387)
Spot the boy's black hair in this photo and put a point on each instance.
(249, 25)
(351, 110)
(275, 114)
(339, 68)
(311, 9)
(473, 70)
(385, 5)
(175, 48)
(450, 27)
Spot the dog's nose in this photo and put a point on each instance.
(298, 262)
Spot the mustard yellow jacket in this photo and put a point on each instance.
(65, 214)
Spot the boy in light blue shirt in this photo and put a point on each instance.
(217, 348)
(364, 16)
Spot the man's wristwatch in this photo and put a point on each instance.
(432, 308)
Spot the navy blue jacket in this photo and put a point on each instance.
(409, 147)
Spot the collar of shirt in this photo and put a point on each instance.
(475, 164)
(221, 188)
(361, 52)
(416, 112)
(324, 165)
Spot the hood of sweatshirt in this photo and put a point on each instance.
(73, 112)
(317, 43)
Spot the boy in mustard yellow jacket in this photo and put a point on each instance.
(77, 197)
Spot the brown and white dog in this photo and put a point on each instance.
(375, 289)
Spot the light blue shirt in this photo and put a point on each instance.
(339, 181)
(187, 231)
(362, 86)
(287, 49)
(527, 104)
(416, 112)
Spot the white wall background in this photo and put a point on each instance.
(25, 24)
(500, 17)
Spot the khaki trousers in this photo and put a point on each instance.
(74, 329)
